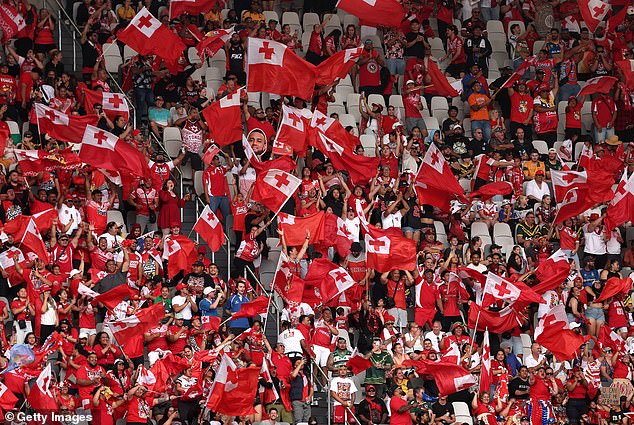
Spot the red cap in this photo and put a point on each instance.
(136, 132)
(181, 286)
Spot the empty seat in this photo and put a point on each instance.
(431, 123)
(352, 105)
(368, 142)
(479, 228)
(309, 20)
(494, 27)
(219, 60)
(269, 14)
(502, 229)
(347, 120)
(334, 108)
(128, 53)
(541, 147)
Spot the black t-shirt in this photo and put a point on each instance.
(89, 54)
(442, 409)
(616, 417)
(418, 48)
(372, 410)
(518, 384)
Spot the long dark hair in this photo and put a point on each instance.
(336, 36)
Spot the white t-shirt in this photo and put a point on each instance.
(435, 339)
(418, 345)
(536, 191)
(594, 241)
(530, 361)
(186, 313)
(49, 317)
(344, 387)
(392, 220)
(613, 246)
(291, 338)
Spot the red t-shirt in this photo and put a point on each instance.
(369, 72)
(97, 214)
(573, 116)
(521, 107)
(603, 107)
(177, 346)
(89, 372)
(140, 195)
(63, 257)
(397, 418)
(239, 211)
(215, 182)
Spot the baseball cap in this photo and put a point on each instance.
(198, 264)
(553, 150)
(355, 247)
(370, 387)
(73, 272)
(202, 249)
(207, 290)
(410, 82)
(136, 132)
(574, 325)
(83, 335)
(540, 173)
(181, 286)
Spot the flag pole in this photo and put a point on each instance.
(475, 328)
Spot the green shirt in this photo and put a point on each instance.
(167, 303)
(375, 375)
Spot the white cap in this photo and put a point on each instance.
(83, 335)
(623, 329)
(574, 325)
(410, 82)
(73, 272)
(207, 290)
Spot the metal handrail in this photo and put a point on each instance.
(74, 30)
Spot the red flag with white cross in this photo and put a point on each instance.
(388, 249)
(209, 228)
(435, 183)
(224, 119)
(593, 12)
(292, 129)
(337, 65)
(554, 334)
(274, 188)
(148, 36)
(272, 67)
(333, 129)
(102, 149)
(11, 22)
(497, 288)
(330, 278)
(113, 104)
(210, 45)
(621, 208)
(60, 126)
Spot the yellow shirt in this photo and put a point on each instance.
(530, 168)
(255, 17)
(126, 13)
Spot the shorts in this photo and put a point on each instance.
(87, 331)
(321, 355)
(409, 229)
(595, 313)
(341, 415)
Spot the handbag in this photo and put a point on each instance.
(152, 215)
(389, 303)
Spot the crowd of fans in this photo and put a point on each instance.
(486, 134)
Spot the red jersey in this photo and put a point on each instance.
(97, 214)
(521, 107)
(63, 257)
(89, 372)
(215, 182)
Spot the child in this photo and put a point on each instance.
(496, 120)
(573, 116)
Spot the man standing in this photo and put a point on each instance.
(216, 187)
(234, 304)
(603, 116)
(372, 410)
(342, 390)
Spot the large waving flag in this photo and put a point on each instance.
(272, 67)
